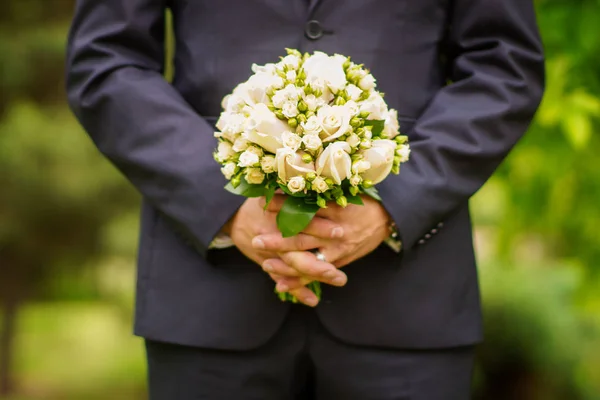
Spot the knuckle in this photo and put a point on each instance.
(287, 258)
(296, 260)
(302, 242)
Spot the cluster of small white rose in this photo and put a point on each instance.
(310, 123)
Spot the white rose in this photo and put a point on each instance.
(290, 164)
(265, 129)
(353, 140)
(320, 85)
(278, 99)
(353, 91)
(312, 142)
(356, 72)
(335, 122)
(403, 152)
(352, 107)
(225, 151)
(360, 166)
(291, 61)
(296, 184)
(330, 69)
(267, 68)
(291, 76)
(254, 90)
(291, 140)
(355, 180)
(228, 170)
(340, 58)
(335, 162)
(233, 103)
(225, 101)
(288, 93)
(260, 83)
(381, 157)
(231, 125)
(268, 164)
(311, 101)
(375, 106)
(254, 176)
(367, 82)
(240, 144)
(256, 150)
(248, 159)
(311, 126)
(319, 185)
(290, 109)
(391, 128)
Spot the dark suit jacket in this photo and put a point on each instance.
(465, 75)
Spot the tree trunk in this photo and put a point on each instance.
(7, 336)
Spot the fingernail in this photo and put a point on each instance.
(268, 267)
(258, 243)
(282, 287)
(330, 274)
(310, 301)
(337, 232)
(338, 281)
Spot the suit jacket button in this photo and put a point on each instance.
(434, 231)
(440, 225)
(313, 30)
(428, 236)
(422, 241)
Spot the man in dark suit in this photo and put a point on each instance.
(466, 77)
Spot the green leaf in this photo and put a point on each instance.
(245, 189)
(295, 215)
(377, 125)
(355, 200)
(373, 193)
(269, 193)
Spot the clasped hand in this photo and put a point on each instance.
(342, 235)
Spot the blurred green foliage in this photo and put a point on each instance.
(68, 228)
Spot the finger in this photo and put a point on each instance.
(279, 268)
(285, 284)
(293, 279)
(308, 265)
(296, 287)
(344, 261)
(305, 296)
(324, 228)
(277, 243)
(290, 284)
(335, 251)
(331, 212)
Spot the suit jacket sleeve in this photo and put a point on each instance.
(496, 67)
(139, 121)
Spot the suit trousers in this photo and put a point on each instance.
(304, 362)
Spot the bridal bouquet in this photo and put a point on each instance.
(312, 126)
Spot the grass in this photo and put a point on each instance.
(75, 351)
